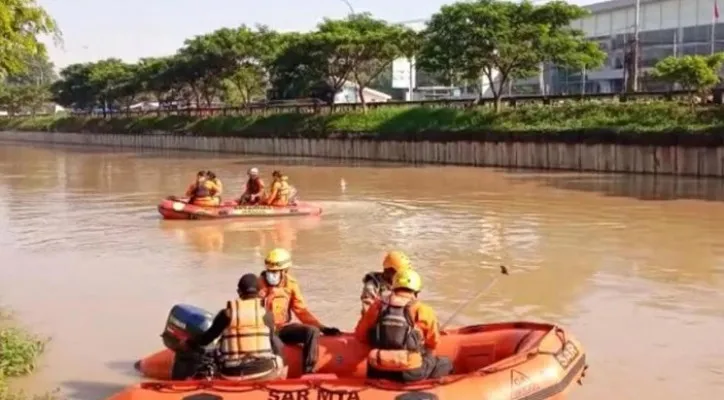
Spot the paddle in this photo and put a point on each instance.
(503, 271)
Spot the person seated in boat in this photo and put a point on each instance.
(279, 194)
(293, 193)
(216, 181)
(202, 191)
(379, 284)
(283, 297)
(402, 333)
(249, 348)
(254, 188)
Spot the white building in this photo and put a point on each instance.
(349, 94)
(667, 27)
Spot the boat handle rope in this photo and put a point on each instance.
(230, 386)
(243, 387)
(561, 334)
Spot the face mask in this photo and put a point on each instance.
(273, 277)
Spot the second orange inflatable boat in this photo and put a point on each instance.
(506, 361)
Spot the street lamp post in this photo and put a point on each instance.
(349, 5)
(636, 49)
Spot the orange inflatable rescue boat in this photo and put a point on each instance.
(179, 208)
(503, 361)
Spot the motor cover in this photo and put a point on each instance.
(185, 321)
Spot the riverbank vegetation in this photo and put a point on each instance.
(652, 123)
(19, 354)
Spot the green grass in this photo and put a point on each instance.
(19, 354)
(567, 122)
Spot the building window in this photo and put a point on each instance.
(650, 38)
(696, 49)
(697, 34)
(618, 61)
(651, 56)
(620, 41)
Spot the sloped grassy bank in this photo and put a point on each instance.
(19, 354)
(647, 124)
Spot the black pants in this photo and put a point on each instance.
(432, 368)
(192, 363)
(201, 364)
(250, 368)
(308, 337)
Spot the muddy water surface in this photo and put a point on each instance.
(633, 265)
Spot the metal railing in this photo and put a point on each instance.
(309, 106)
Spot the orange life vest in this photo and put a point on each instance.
(277, 299)
(247, 337)
(396, 342)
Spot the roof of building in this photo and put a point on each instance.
(376, 93)
(612, 5)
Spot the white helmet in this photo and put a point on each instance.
(254, 171)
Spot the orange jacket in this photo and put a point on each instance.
(285, 300)
(211, 186)
(279, 193)
(219, 186)
(423, 315)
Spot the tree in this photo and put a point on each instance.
(697, 74)
(74, 89)
(38, 70)
(502, 40)
(21, 23)
(244, 84)
(112, 81)
(154, 77)
(302, 69)
(363, 47)
(23, 98)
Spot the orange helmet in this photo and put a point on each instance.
(396, 260)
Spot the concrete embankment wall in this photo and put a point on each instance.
(691, 161)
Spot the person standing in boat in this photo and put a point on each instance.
(280, 191)
(249, 348)
(202, 191)
(254, 188)
(378, 284)
(403, 333)
(219, 186)
(282, 296)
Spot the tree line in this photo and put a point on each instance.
(498, 40)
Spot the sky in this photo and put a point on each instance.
(133, 29)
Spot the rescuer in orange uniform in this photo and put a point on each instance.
(254, 188)
(280, 191)
(377, 284)
(249, 347)
(216, 181)
(403, 334)
(283, 297)
(202, 191)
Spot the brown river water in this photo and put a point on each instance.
(633, 265)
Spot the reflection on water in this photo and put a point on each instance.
(230, 235)
(633, 264)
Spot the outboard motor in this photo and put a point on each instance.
(184, 322)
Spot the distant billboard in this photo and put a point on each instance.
(403, 73)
